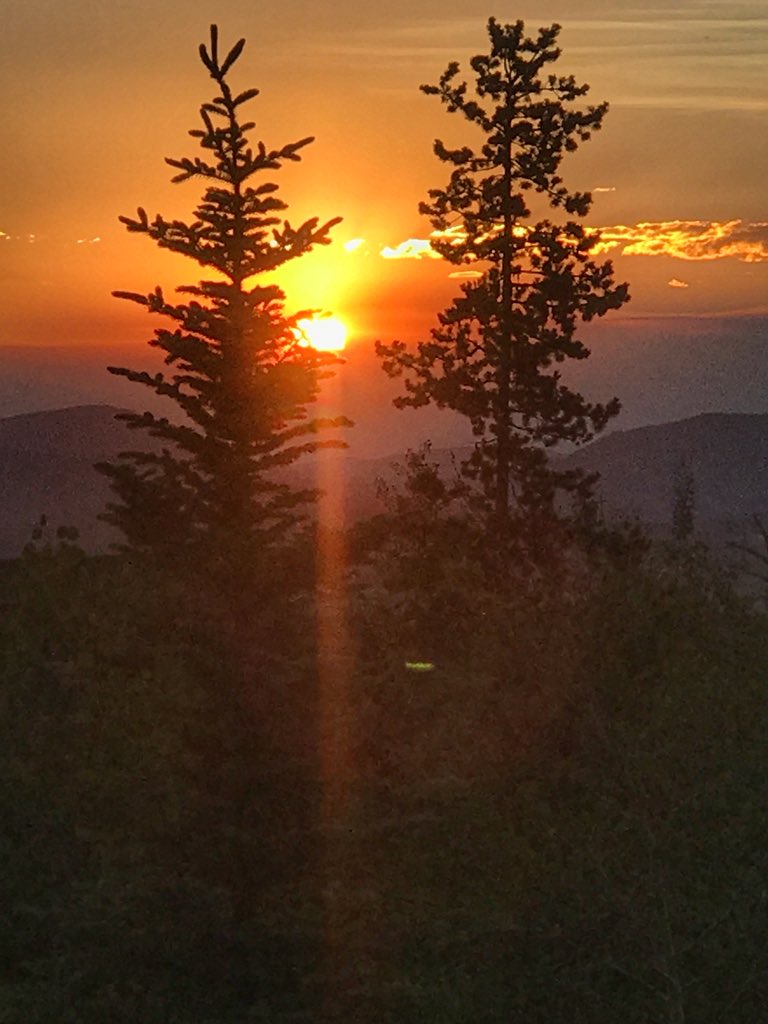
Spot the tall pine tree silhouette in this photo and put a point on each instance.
(241, 376)
(493, 355)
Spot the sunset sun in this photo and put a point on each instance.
(326, 333)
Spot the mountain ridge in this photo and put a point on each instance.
(47, 457)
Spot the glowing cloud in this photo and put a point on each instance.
(410, 249)
(354, 244)
(422, 248)
(689, 239)
(677, 283)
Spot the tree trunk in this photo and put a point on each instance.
(504, 369)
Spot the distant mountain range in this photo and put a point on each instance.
(46, 467)
(726, 455)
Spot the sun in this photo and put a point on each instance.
(323, 333)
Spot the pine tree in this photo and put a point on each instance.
(493, 355)
(683, 502)
(242, 376)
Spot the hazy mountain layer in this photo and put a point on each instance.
(46, 467)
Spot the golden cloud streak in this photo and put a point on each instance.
(421, 248)
(689, 240)
(410, 249)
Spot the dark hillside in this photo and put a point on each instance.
(727, 454)
(46, 468)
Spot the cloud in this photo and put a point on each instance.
(689, 239)
(675, 282)
(410, 249)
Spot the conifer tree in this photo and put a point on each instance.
(684, 502)
(493, 356)
(240, 375)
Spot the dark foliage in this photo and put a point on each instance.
(561, 817)
(154, 823)
(242, 379)
(570, 820)
(684, 503)
(494, 355)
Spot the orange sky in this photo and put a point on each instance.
(96, 94)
